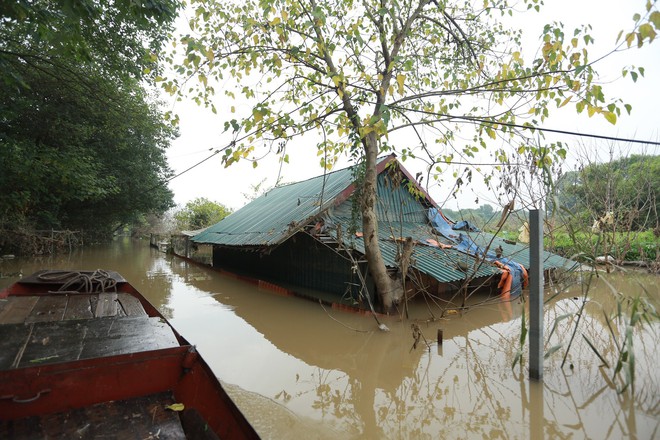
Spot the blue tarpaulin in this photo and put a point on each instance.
(464, 243)
(465, 225)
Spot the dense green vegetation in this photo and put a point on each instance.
(610, 209)
(200, 213)
(82, 141)
(628, 246)
(628, 187)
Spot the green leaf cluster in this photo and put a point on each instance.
(80, 159)
(119, 38)
(349, 70)
(82, 141)
(200, 213)
(629, 187)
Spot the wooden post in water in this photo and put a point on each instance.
(536, 294)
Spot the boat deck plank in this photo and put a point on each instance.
(78, 307)
(59, 328)
(47, 308)
(24, 345)
(20, 309)
(106, 305)
(13, 340)
(140, 418)
(134, 335)
(49, 342)
(130, 305)
(17, 309)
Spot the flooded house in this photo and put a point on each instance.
(306, 239)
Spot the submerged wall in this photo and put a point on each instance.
(302, 264)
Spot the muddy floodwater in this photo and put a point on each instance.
(301, 371)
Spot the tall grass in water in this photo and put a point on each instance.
(616, 350)
(630, 315)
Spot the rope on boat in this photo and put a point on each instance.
(98, 281)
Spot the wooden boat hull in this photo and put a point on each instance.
(68, 370)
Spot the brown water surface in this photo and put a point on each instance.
(298, 370)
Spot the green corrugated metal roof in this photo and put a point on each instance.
(519, 252)
(278, 214)
(274, 217)
(441, 264)
(402, 215)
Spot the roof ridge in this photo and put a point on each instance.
(325, 174)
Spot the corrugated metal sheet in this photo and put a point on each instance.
(519, 252)
(441, 264)
(302, 262)
(275, 216)
(395, 202)
(402, 215)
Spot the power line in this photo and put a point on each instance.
(196, 165)
(471, 119)
(554, 130)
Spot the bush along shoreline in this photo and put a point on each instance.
(636, 249)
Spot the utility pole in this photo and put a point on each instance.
(536, 294)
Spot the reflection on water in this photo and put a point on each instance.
(301, 371)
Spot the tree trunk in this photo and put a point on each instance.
(370, 224)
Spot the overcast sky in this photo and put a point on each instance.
(201, 131)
